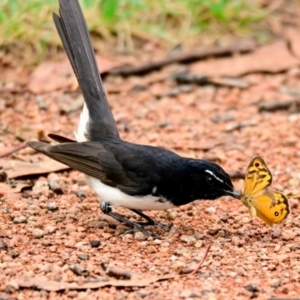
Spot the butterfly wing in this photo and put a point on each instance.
(258, 177)
(272, 207)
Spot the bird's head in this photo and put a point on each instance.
(214, 181)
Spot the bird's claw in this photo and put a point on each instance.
(139, 227)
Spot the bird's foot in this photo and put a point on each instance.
(150, 221)
(140, 228)
(165, 227)
(135, 226)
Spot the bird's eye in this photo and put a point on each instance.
(209, 179)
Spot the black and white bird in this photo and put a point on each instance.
(123, 174)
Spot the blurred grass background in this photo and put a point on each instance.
(26, 27)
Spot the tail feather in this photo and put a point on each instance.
(75, 37)
(59, 138)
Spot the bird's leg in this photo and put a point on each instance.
(149, 220)
(106, 209)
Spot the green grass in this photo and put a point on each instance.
(27, 26)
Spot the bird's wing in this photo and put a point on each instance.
(95, 160)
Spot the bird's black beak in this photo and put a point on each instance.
(234, 194)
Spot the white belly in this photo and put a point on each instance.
(119, 199)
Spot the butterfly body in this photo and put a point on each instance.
(269, 205)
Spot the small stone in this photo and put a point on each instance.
(81, 194)
(128, 237)
(294, 203)
(50, 228)
(3, 176)
(157, 242)
(152, 249)
(272, 267)
(55, 187)
(70, 228)
(282, 257)
(224, 218)
(221, 233)
(199, 244)
(237, 241)
(294, 182)
(72, 294)
(277, 248)
(275, 283)
(225, 117)
(82, 246)
(83, 256)
(252, 288)
(139, 236)
(213, 231)
(211, 210)
(95, 244)
(79, 270)
(39, 185)
(199, 236)
(181, 251)
(14, 254)
(178, 265)
(188, 294)
(11, 287)
(171, 215)
(20, 220)
(52, 206)
(38, 233)
(81, 180)
(52, 176)
(276, 233)
(233, 274)
(165, 245)
(3, 245)
(292, 247)
(288, 235)
(190, 240)
(245, 220)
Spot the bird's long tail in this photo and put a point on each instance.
(96, 121)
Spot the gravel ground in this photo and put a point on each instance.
(56, 232)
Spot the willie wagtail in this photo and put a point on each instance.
(123, 174)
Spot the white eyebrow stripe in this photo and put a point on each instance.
(212, 174)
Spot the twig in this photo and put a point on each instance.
(14, 150)
(273, 106)
(118, 272)
(242, 47)
(202, 261)
(239, 125)
(203, 80)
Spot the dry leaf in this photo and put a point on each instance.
(272, 58)
(293, 37)
(6, 188)
(54, 286)
(52, 76)
(16, 168)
